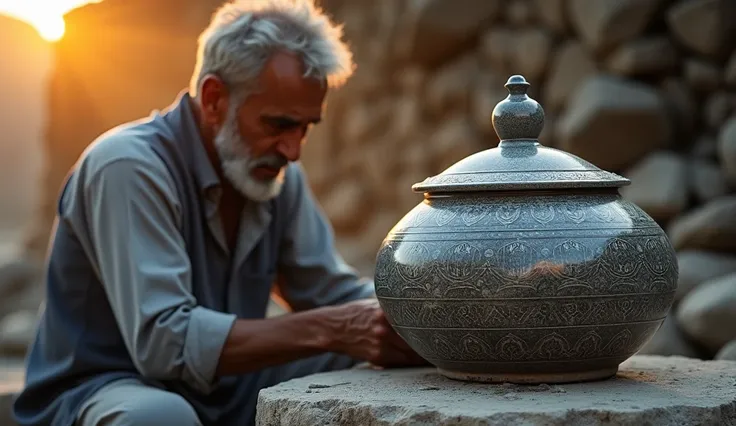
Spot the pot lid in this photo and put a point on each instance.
(519, 162)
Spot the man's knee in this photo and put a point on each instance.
(161, 408)
(134, 404)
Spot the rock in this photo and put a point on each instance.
(553, 15)
(699, 266)
(347, 205)
(364, 121)
(448, 89)
(730, 71)
(411, 79)
(688, 19)
(454, 140)
(532, 49)
(658, 185)
(438, 29)
(519, 12)
(717, 108)
(612, 123)
(488, 91)
(497, 48)
(406, 118)
(707, 313)
(711, 226)
(17, 275)
(705, 148)
(727, 149)
(727, 352)
(649, 390)
(570, 65)
(669, 340)
(702, 76)
(603, 24)
(643, 56)
(707, 181)
(12, 374)
(682, 108)
(17, 330)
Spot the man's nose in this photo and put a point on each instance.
(290, 146)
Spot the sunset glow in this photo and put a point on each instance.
(47, 16)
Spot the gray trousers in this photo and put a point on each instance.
(129, 402)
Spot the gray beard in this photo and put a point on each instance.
(238, 163)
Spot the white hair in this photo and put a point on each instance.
(243, 34)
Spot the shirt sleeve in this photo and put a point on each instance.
(312, 272)
(132, 216)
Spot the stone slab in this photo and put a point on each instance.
(648, 390)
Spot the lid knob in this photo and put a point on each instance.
(518, 116)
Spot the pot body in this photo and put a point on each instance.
(528, 287)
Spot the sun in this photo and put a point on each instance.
(51, 28)
(46, 16)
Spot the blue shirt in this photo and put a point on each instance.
(141, 282)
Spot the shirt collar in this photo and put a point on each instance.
(187, 136)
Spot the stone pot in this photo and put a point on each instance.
(523, 263)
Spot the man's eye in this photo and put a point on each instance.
(283, 123)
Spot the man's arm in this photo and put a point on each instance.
(312, 272)
(133, 217)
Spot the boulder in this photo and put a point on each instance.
(730, 71)
(705, 148)
(553, 14)
(570, 65)
(703, 76)
(17, 331)
(707, 180)
(448, 89)
(682, 108)
(711, 226)
(699, 266)
(613, 123)
(727, 149)
(603, 24)
(669, 340)
(707, 314)
(497, 48)
(519, 13)
(727, 352)
(532, 50)
(438, 29)
(659, 185)
(347, 204)
(717, 109)
(645, 56)
(707, 27)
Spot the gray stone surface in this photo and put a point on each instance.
(647, 391)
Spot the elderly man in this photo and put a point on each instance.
(171, 230)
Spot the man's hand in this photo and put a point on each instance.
(360, 329)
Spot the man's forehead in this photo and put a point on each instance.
(283, 74)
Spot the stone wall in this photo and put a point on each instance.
(637, 87)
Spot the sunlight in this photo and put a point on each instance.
(46, 16)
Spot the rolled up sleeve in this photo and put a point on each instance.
(312, 272)
(133, 221)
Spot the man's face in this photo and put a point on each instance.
(261, 135)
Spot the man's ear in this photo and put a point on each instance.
(213, 96)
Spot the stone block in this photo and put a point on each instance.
(649, 390)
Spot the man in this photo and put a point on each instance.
(171, 230)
